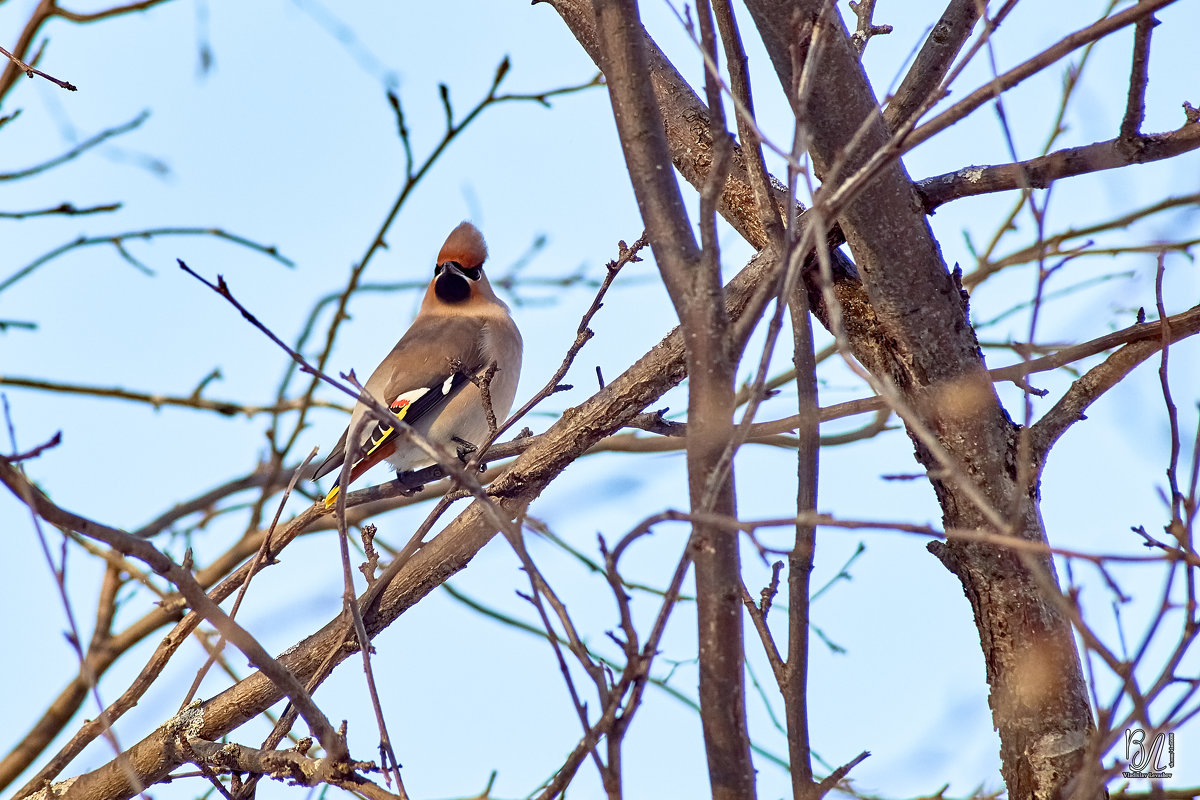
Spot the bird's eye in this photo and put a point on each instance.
(472, 272)
(438, 269)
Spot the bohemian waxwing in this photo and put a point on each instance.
(461, 330)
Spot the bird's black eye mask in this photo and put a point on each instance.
(473, 273)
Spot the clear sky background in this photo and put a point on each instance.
(288, 140)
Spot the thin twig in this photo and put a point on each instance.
(31, 71)
(77, 150)
(118, 240)
(864, 10)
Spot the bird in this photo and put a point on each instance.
(463, 334)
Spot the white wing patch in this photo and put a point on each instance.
(410, 397)
(399, 407)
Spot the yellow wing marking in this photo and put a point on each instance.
(399, 408)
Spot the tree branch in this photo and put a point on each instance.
(66, 209)
(933, 62)
(290, 766)
(802, 556)
(77, 150)
(118, 240)
(227, 408)
(1135, 106)
(31, 71)
(913, 295)
(518, 485)
(1040, 172)
(693, 281)
(1151, 338)
(1004, 82)
(191, 590)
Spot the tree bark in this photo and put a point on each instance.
(1038, 695)
(693, 279)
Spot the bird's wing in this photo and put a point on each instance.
(437, 359)
(410, 406)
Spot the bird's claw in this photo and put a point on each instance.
(407, 489)
(465, 448)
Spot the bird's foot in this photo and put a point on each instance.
(466, 450)
(405, 483)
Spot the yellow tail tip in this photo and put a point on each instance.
(330, 498)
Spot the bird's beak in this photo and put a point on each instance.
(453, 284)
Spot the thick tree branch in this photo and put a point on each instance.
(688, 129)
(686, 120)
(933, 61)
(937, 369)
(693, 281)
(766, 195)
(643, 141)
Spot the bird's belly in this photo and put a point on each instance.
(464, 418)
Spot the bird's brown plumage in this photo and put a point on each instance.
(467, 329)
(465, 245)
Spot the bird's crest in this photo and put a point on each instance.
(465, 245)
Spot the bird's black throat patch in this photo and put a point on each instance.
(450, 287)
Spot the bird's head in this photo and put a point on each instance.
(458, 276)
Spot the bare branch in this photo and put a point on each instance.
(864, 10)
(289, 766)
(66, 209)
(1069, 409)
(226, 408)
(107, 13)
(693, 281)
(183, 579)
(31, 71)
(832, 780)
(1030, 67)
(1040, 172)
(77, 150)
(117, 240)
(44, 11)
(1135, 107)
(933, 62)
(1054, 244)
